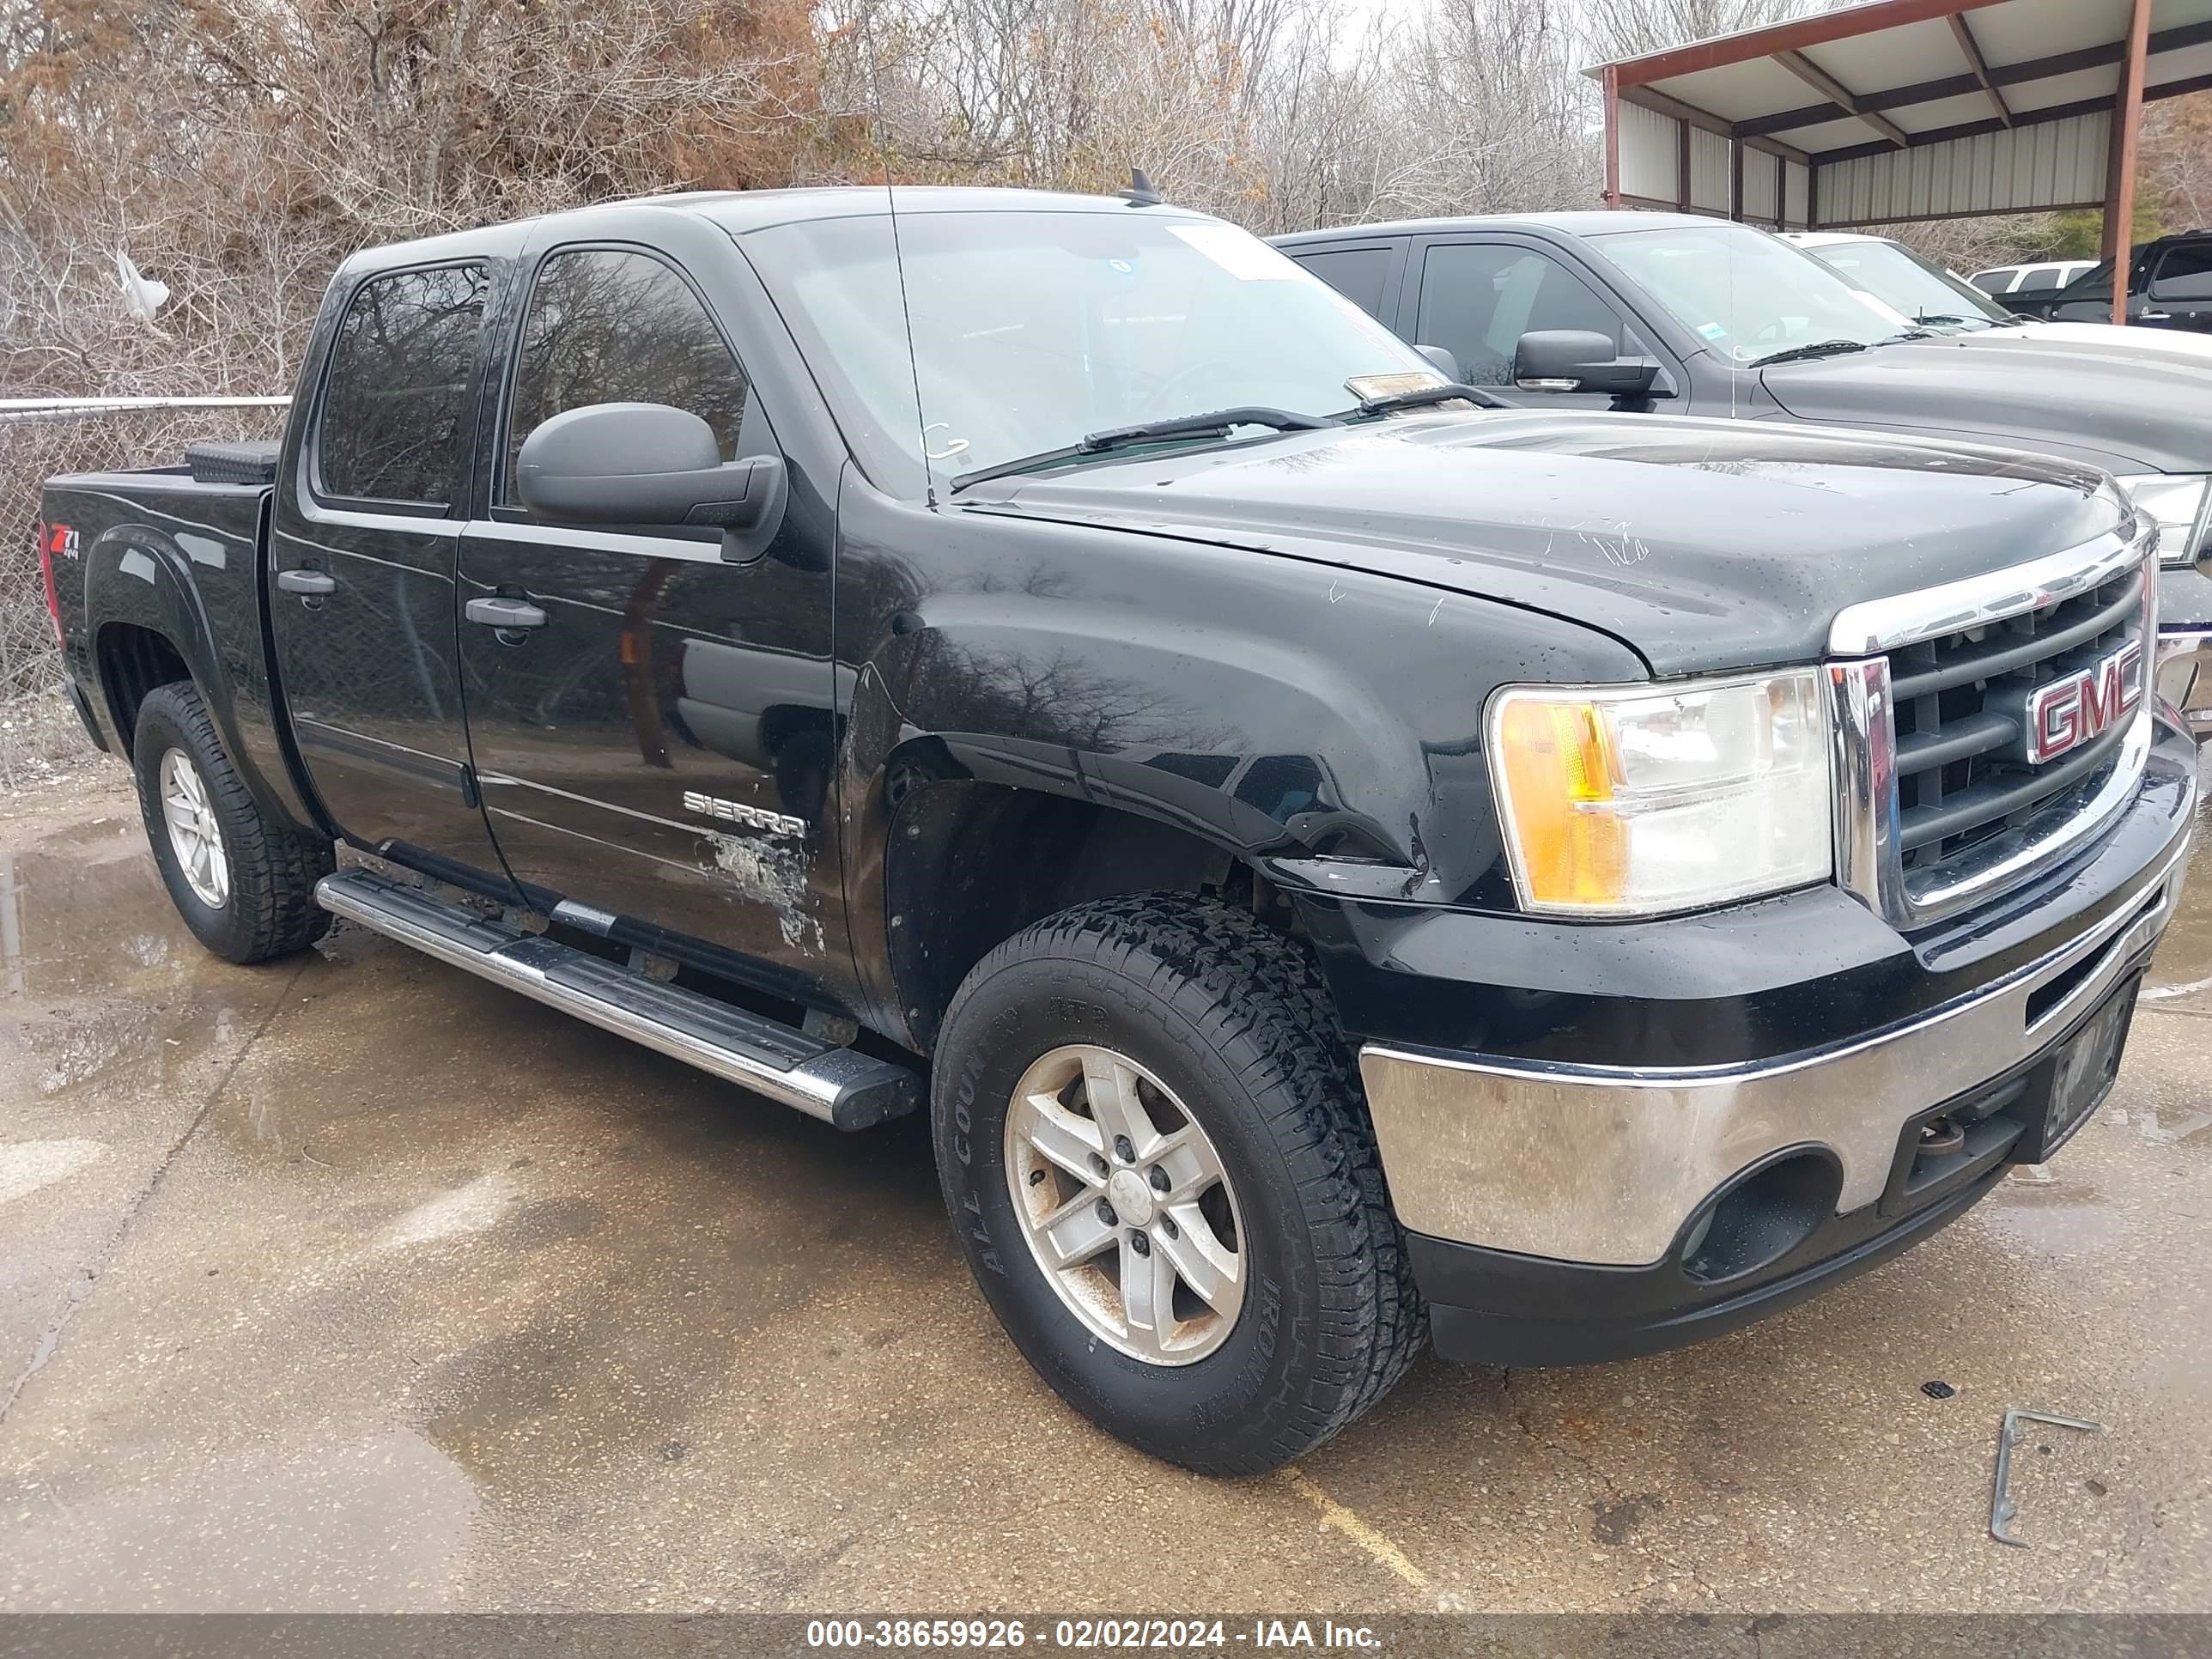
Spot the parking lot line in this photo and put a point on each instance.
(1334, 1514)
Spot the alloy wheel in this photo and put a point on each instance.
(1124, 1205)
(194, 835)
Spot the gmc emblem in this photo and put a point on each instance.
(2070, 712)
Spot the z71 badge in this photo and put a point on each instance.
(736, 811)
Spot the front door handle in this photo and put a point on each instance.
(307, 584)
(504, 614)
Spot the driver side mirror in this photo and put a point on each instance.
(1580, 360)
(648, 464)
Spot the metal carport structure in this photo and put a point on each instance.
(1900, 110)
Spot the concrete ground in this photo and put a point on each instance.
(353, 1282)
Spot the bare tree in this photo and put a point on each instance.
(1628, 28)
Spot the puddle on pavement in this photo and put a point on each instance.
(377, 1524)
(2185, 956)
(2051, 1215)
(98, 977)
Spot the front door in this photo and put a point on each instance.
(652, 723)
(363, 547)
(1477, 299)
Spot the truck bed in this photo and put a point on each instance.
(175, 556)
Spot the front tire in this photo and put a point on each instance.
(244, 886)
(1157, 1161)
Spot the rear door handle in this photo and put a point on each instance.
(308, 584)
(504, 613)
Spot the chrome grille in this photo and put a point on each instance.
(1963, 774)
(1945, 793)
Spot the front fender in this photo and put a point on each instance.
(1323, 723)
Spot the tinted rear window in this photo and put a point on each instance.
(403, 370)
(2186, 274)
(1356, 273)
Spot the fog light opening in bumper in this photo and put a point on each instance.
(1761, 1214)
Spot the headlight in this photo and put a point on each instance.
(1635, 800)
(2178, 501)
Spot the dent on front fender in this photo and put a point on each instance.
(1326, 722)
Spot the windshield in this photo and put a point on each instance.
(1902, 280)
(1749, 294)
(1032, 330)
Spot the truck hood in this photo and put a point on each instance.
(1702, 544)
(2138, 411)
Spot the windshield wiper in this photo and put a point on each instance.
(1803, 353)
(1216, 423)
(1421, 397)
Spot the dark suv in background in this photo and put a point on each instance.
(2169, 286)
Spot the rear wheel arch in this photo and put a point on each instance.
(133, 659)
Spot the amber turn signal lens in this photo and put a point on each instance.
(1557, 764)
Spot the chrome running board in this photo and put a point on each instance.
(841, 1086)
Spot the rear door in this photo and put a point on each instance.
(1366, 273)
(654, 739)
(362, 546)
(2180, 295)
(1475, 297)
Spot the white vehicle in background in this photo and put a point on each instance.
(1927, 294)
(2047, 276)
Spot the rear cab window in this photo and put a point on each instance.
(399, 398)
(2185, 273)
(1362, 275)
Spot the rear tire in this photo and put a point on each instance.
(1209, 1022)
(245, 886)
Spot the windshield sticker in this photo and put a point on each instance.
(1241, 255)
(1712, 331)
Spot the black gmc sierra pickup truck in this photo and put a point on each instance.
(1339, 864)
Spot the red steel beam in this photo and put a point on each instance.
(1790, 37)
(2032, 118)
(1972, 48)
(2179, 39)
(1841, 96)
(1612, 137)
(2120, 181)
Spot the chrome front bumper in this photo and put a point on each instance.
(1607, 1165)
(2185, 677)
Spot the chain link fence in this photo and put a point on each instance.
(40, 736)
